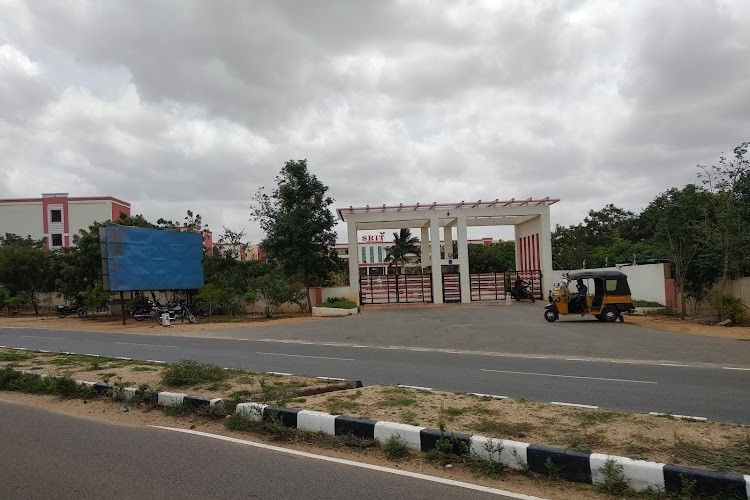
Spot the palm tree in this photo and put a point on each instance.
(404, 244)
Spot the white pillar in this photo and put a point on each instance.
(448, 239)
(425, 243)
(437, 275)
(545, 251)
(463, 260)
(351, 228)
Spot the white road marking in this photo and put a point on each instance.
(351, 463)
(734, 368)
(302, 356)
(571, 376)
(577, 359)
(336, 379)
(684, 417)
(40, 337)
(672, 364)
(156, 361)
(574, 404)
(281, 373)
(148, 345)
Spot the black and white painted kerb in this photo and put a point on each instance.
(572, 465)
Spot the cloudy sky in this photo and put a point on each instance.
(177, 105)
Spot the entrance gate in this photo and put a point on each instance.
(488, 286)
(452, 287)
(495, 286)
(395, 289)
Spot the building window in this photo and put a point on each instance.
(56, 216)
(364, 255)
(380, 254)
(372, 254)
(57, 240)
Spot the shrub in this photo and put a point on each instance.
(340, 304)
(189, 372)
(395, 448)
(729, 307)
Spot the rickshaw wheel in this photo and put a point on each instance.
(550, 316)
(610, 314)
(599, 317)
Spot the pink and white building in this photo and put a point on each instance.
(56, 216)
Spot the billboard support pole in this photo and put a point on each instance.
(122, 307)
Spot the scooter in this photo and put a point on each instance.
(525, 292)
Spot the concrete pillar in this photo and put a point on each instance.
(463, 260)
(545, 250)
(351, 228)
(425, 243)
(448, 239)
(437, 275)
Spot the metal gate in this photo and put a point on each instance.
(495, 286)
(452, 287)
(533, 277)
(395, 289)
(488, 286)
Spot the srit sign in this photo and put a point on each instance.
(373, 238)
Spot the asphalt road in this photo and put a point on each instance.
(47, 455)
(619, 380)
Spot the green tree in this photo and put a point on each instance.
(298, 225)
(404, 244)
(25, 267)
(726, 185)
(495, 258)
(276, 288)
(679, 221)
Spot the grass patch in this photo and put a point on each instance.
(734, 458)
(451, 413)
(218, 386)
(593, 417)
(145, 369)
(188, 372)
(398, 397)
(409, 417)
(15, 356)
(340, 405)
(395, 448)
(646, 303)
(503, 429)
(32, 383)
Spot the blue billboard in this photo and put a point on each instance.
(136, 258)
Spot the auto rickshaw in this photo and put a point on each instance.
(611, 297)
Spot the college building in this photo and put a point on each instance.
(57, 216)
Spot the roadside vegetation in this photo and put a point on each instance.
(713, 445)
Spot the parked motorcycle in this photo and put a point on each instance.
(181, 311)
(145, 310)
(63, 311)
(153, 309)
(524, 292)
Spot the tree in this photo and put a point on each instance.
(404, 244)
(25, 267)
(679, 222)
(495, 258)
(298, 225)
(726, 185)
(275, 288)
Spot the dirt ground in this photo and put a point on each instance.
(662, 439)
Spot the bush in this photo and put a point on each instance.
(339, 304)
(395, 448)
(189, 372)
(729, 307)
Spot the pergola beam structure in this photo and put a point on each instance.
(529, 216)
